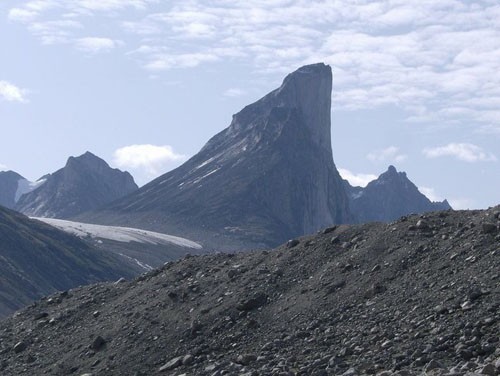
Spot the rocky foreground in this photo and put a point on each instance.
(417, 296)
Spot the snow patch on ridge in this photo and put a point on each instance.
(143, 265)
(119, 234)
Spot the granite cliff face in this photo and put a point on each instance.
(389, 197)
(266, 178)
(85, 183)
(9, 181)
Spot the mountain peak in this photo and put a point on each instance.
(88, 159)
(391, 169)
(304, 94)
(391, 174)
(309, 89)
(389, 197)
(85, 183)
(276, 166)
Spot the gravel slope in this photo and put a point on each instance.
(418, 295)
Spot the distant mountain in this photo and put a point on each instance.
(9, 182)
(85, 183)
(37, 259)
(266, 178)
(389, 197)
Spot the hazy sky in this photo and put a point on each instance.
(145, 83)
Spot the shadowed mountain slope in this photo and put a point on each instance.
(9, 181)
(389, 197)
(37, 259)
(85, 183)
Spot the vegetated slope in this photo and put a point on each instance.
(9, 181)
(37, 259)
(85, 183)
(269, 176)
(389, 197)
(418, 294)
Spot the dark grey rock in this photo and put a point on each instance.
(187, 360)
(433, 364)
(20, 346)
(98, 343)
(489, 369)
(489, 228)
(171, 364)
(246, 359)
(256, 301)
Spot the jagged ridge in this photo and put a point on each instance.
(85, 183)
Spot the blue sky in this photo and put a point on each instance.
(145, 83)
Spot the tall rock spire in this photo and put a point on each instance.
(267, 177)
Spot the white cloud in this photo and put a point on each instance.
(234, 92)
(3, 167)
(389, 154)
(437, 60)
(31, 10)
(430, 193)
(462, 151)
(462, 203)
(55, 32)
(107, 5)
(12, 93)
(356, 180)
(165, 62)
(22, 15)
(96, 45)
(152, 159)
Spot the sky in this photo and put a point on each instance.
(144, 84)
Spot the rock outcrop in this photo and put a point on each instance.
(85, 183)
(9, 182)
(266, 178)
(389, 197)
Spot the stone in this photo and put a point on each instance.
(329, 229)
(292, 243)
(40, 315)
(172, 364)
(187, 360)
(19, 347)
(489, 369)
(97, 343)
(489, 228)
(246, 359)
(433, 364)
(256, 301)
(375, 289)
(120, 280)
(422, 225)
